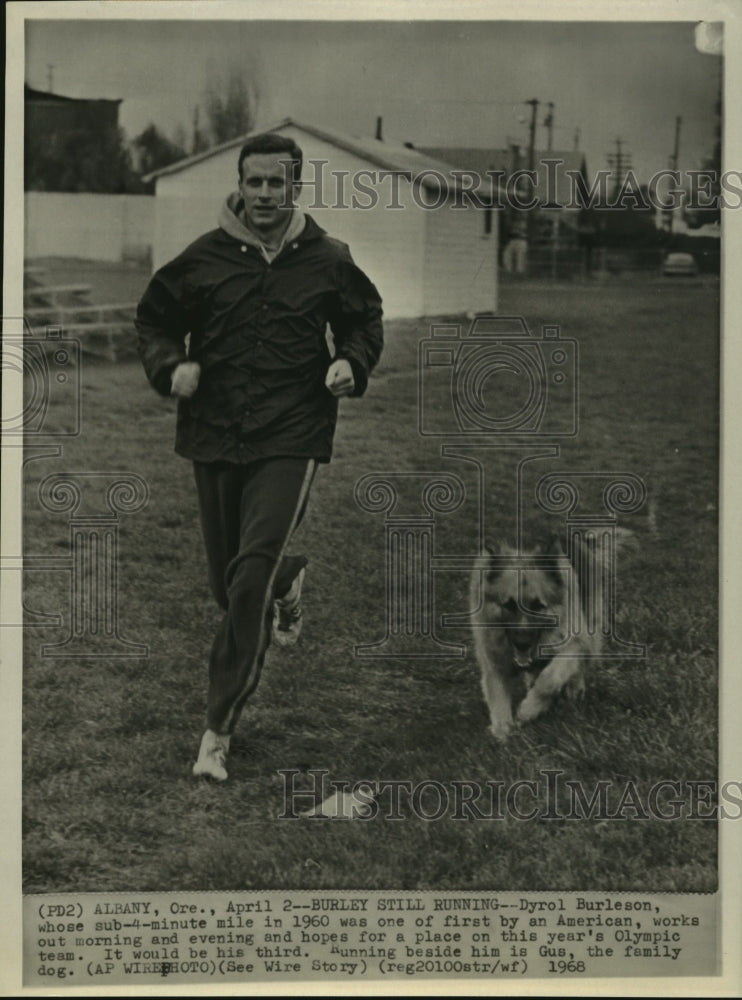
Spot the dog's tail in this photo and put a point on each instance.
(595, 562)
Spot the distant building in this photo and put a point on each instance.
(52, 115)
(425, 260)
(73, 144)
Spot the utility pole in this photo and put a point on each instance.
(676, 150)
(673, 164)
(549, 123)
(50, 77)
(620, 163)
(531, 160)
(577, 139)
(532, 132)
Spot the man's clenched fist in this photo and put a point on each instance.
(184, 380)
(339, 379)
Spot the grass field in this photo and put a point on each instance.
(109, 801)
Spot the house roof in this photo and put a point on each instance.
(509, 160)
(46, 97)
(390, 156)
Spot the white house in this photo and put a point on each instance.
(429, 247)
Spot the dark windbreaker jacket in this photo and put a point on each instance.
(258, 331)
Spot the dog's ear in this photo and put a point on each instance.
(492, 547)
(554, 545)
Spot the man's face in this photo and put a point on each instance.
(268, 191)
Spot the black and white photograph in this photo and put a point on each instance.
(368, 480)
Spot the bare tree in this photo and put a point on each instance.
(231, 100)
(155, 150)
(199, 141)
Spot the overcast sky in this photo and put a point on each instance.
(434, 83)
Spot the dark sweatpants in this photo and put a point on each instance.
(248, 514)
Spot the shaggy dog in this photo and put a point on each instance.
(522, 606)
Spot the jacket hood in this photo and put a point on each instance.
(230, 220)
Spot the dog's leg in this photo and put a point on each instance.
(499, 702)
(574, 689)
(552, 679)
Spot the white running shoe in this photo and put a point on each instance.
(212, 756)
(287, 614)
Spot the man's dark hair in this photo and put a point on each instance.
(273, 142)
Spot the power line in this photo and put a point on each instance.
(453, 100)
